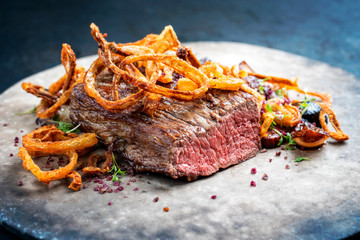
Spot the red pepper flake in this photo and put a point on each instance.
(16, 140)
(213, 197)
(20, 183)
(105, 35)
(109, 190)
(115, 191)
(278, 153)
(5, 125)
(253, 184)
(148, 182)
(109, 203)
(100, 181)
(285, 157)
(287, 167)
(21, 131)
(270, 160)
(125, 196)
(166, 209)
(136, 189)
(96, 188)
(127, 183)
(120, 188)
(11, 155)
(253, 171)
(265, 177)
(84, 186)
(156, 199)
(116, 183)
(132, 180)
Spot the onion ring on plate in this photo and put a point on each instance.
(32, 142)
(92, 167)
(338, 134)
(39, 91)
(47, 176)
(76, 183)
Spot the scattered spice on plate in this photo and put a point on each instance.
(136, 189)
(20, 183)
(166, 209)
(156, 199)
(253, 184)
(278, 153)
(253, 171)
(110, 203)
(213, 197)
(265, 177)
(11, 155)
(287, 166)
(270, 160)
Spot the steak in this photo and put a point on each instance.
(182, 139)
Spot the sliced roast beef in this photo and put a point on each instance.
(182, 139)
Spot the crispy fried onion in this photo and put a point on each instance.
(93, 161)
(338, 134)
(282, 114)
(159, 67)
(76, 182)
(51, 140)
(52, 99)
(48, 140)
(47, 176)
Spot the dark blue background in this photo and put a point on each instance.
(32, 32)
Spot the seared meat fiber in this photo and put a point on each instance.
(182, 139)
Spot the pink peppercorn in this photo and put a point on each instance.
(253, 171)
(253, 184)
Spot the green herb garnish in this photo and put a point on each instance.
(304, 105)
(261, 83)
(269, 108)
(280, 92)
(116, 170)
(27, 112)
(64, 126)
(290, 142)
(300, 159)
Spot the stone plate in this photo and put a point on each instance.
(316, 199)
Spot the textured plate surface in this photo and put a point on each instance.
(316, 199)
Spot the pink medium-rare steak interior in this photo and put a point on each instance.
(234, 139)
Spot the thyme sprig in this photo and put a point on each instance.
(300, 159)
(116, 170)
(27, 112)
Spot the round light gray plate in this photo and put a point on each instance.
(316, 199)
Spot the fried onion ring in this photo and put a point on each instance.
(47, 176)
(76, 182)
(338, 134)
(92, 167)
(32, 142)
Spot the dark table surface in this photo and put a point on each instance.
(32, 31)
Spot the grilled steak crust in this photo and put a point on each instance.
(182, 139)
